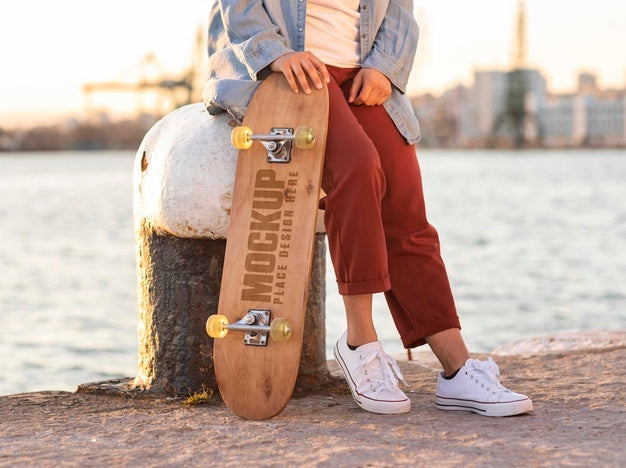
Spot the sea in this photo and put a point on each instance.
(534, 243)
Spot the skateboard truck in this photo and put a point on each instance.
(256, 325)
(278, 142)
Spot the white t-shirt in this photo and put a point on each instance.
(332, 32)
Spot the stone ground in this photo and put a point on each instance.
(579, 419)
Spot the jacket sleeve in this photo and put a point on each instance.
(253, 37)
(395, 44)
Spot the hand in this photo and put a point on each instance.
(297, 65)
(369, 87)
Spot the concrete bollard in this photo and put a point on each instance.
(182, 185)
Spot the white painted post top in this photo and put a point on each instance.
(184, 174)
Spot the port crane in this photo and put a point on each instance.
(514, 116)
(170, 91)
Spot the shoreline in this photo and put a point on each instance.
(579, 418)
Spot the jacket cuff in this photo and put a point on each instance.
(262, 57)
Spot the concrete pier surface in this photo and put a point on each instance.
(579, 419)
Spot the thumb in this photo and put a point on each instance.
(356, 87)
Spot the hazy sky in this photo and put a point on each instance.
(48, 49)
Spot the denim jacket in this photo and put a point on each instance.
(246, 36)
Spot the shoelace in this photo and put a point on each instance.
(372, 365)
(486, 373)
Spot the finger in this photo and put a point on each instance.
(310, 69)
(370, 101)
(321, 68)
(291, 79)
(369, 98)
(296, 67)
(281, 65)
(383, 98)
(375, 98)
(355, 88)
(364, 95)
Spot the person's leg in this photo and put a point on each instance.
(420, 298)
(359, 317)
(355, 185)
(449, 347)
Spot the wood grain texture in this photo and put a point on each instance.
(269, 250)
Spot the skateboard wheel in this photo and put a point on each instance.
(216, 326)
(240, 137)
(280, 329)
(304, 137)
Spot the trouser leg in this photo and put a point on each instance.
(378, 234)
(354, 183)
(420, 298)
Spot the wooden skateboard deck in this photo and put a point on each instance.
(269, 250)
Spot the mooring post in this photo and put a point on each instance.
(182, 185)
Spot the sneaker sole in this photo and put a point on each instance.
(370, 405)
(511, 408)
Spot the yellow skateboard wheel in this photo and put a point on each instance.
(240, 137)
(280, 329)
(216, 326)
(304, 137)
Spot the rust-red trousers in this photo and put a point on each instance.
(375, 217)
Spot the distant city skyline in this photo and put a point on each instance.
(51, 49)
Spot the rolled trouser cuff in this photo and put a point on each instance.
(364, 287)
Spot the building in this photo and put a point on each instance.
(589, 117)
(440, 117)
(501, 106)
(487, 114)
(562, 121)
(606, 121)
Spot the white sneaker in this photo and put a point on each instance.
(477, 388)
(371, 376)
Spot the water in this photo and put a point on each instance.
(534, 243)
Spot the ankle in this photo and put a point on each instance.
(359, 339)
(452, 375)
(450, 349)
(452, 367)
(359, 319)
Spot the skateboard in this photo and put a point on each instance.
(259, 324)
